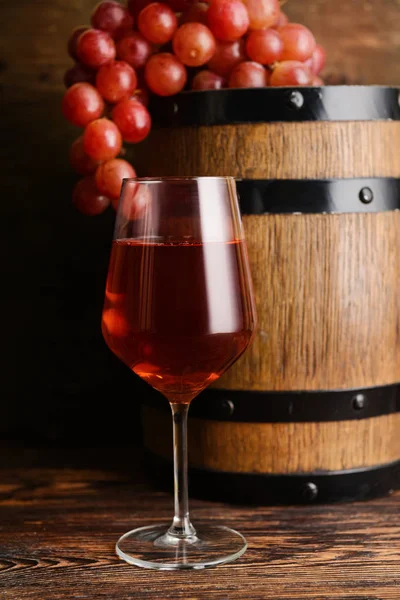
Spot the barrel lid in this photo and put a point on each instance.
(284, 104)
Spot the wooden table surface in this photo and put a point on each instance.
(61, 512)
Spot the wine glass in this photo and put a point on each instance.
(179, 311)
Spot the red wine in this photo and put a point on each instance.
(178, 314)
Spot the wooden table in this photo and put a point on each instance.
(61, 512)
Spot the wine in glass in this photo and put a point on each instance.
(179, 311)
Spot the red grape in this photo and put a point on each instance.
(317, 61)
(113, 18)
(228, 19)
(290, 73)
(115, 323)
(282, 21)
(196, 14)
(80, 161)
(137, 201)
(82, 104)
(95, 48)
(264, 46)
(226, 56)
(132, 119)
(317, 81)
(116, 80)
(158, 23)
(298, 42)
(194, 44)
(78, 74)
(102, 140)
(262, 13)
(248, 75)
(124, 30)
(87, 199)
(207, 80)
(165, 75)
(135, 6)
(73, 40)
(134, 49)
(114, 297)
(110, 174)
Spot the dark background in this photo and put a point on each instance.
(59, 380)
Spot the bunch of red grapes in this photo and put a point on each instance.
(164, 48)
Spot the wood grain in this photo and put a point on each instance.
(279, 448)
(307, 150)
(327, 300)
(61, 513)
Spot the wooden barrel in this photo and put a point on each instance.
(311, 411)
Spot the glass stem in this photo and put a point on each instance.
(181, 526)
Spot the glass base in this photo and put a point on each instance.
(154, 548)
